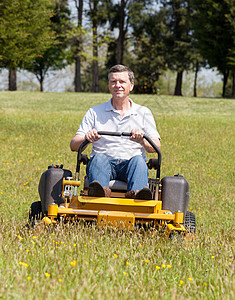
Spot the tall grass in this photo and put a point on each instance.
(80, 261)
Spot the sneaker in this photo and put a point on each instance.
(95, 189)
(144, 194)
(130, 195)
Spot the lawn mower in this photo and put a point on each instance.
(166, 211)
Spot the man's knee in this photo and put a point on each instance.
(138, 164)
(99, 159)
(138, 161)
(98, 168)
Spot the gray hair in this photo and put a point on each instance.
(121, 68)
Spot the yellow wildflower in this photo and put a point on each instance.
(23, 264)
(47, 275)
(73, 263)
(115, 255)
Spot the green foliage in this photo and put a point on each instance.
(178, 39)
(123, 16)
(163, 40)
(214, 32)
(81, 262)
(55, 57)
(231, 18)
(25, 31)
(149, 50)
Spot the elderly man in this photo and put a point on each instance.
(121, 158)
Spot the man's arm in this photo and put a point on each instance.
(76, 142)
(137, 136)
(148, 147)
(91, 136)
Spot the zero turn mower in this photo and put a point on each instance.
(167, 211)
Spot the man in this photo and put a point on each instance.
(121, 158)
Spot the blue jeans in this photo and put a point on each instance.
(104, 169)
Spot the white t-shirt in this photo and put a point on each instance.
(104, 117)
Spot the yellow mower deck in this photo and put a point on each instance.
(119, 213)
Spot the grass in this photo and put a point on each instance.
(77, 262)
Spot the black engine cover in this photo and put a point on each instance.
(175, 193)
(50, 186)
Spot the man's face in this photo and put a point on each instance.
(120, 85)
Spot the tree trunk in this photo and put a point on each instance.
(121, 37)
(95, 77)
(178, 86)
(12, 80)
(41, 85)
(195, 80)
(40, 78)
(233, 88)
(77, 78)
(225, 80)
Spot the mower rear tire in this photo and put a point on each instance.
(190, 222)
(35, 213)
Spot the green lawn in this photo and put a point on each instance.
(76, 262)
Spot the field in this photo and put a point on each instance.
(81, 262)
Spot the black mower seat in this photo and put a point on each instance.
(118, 185)
(114, 185)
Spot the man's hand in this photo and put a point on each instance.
(92, 136)
(137, 136)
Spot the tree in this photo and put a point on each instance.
(55, 57)
(214, 33)
(123, 15)
(25, 33)
(149, 50)
(78, 46)
(231, 56)
(178, 40)
(98, 16)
